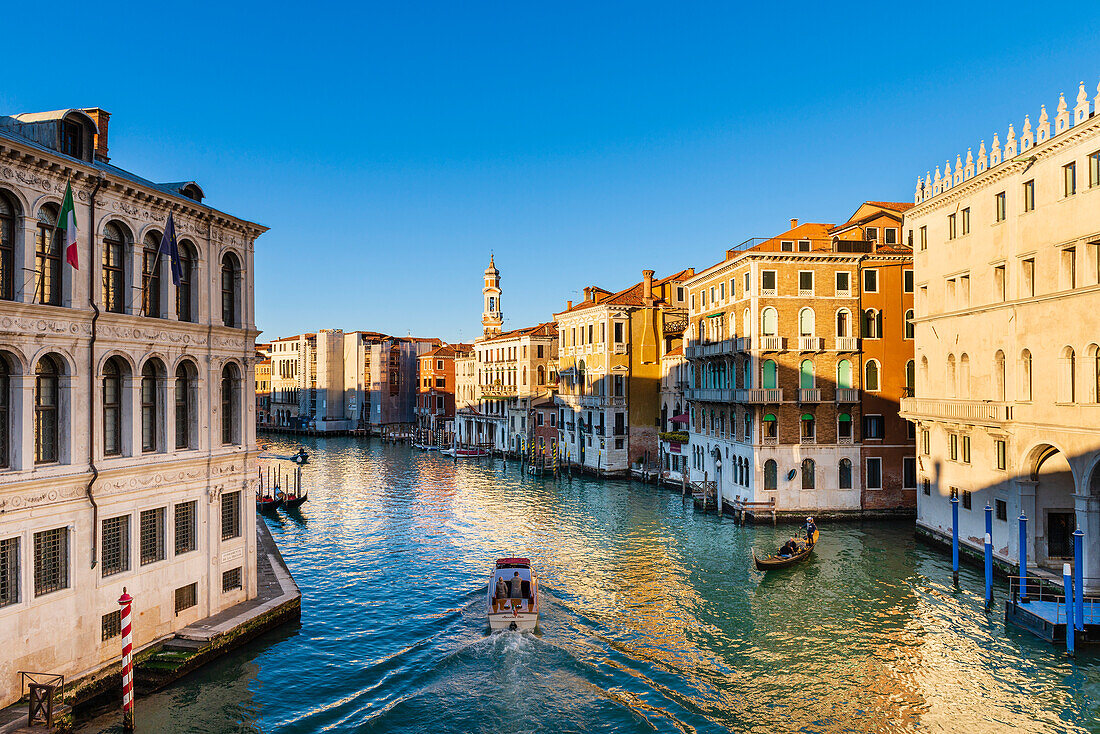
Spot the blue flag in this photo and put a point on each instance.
(169, 247)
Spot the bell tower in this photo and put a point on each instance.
(492, 319)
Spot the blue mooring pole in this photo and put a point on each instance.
(1023, 557)
(1071, 634)
(1078, 579)
(988, 571)
(955, 540)
(989, 521)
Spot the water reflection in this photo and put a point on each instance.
(654, 619)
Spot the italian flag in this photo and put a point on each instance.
(66, 220)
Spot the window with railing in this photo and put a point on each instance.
(187, 597)
(185, 527)
(115, 554)
(9, 571)
(152, 535)
(51, 561)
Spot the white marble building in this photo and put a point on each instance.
(127, 439)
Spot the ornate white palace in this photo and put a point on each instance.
(127, 435)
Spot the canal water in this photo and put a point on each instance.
(653, 620)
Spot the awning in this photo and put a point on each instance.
(682, 418)
(769, 417)
(715, 315)
(807, 416)
(844, 418)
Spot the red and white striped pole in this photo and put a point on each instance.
(127, 663)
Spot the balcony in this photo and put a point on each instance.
(743, 344)
(844, 440)
(806, 292)
(769, 440)
(807, 440)
(498, 391)
(693, 351)
(975, 411)
(711, 394)
(809, 395)
(760, 395)
(847, 394)
(773, 343)
(811, 344)
(619, 349)
(847, 344)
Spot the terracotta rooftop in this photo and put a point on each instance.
(898, 206)
(631, 296)
(677, 352)
(548, 328)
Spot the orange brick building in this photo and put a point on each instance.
(435, 391)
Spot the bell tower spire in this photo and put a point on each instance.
(492, 318)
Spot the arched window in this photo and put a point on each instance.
(1025, 375)
(5, 413)
(769, 321)
(150, 276)
(844, 474)
(952, 378)
(807, 474)
(230, 289)
(909, 324)
(924, 370)
(1094, 368)
(843, 323)
(910, 378)
(183, 290)
(771, 474)
(872, 324)
(870, 376)
(806, 374)
(114, 269)
(999, 376)
(150, 406)
(184, 410)
(770, 427)
(230, 409)
(47, 408)
(702, 330)
(541, 375)
(112, 407)
(47, 258)
(809, 432)
(844, 428)
(1069, 373)
(524, 375)
(9, 216)
(806, 322)
(844, 374)
(746, 323)
(769, 374)
(964, 376)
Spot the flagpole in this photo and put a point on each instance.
(156, 261)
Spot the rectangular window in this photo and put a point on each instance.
(870, 281)
(805, 282)
(803, 245)
(767, 282)
(618, 332)
(1002, 454)
(907, 281)
(722, 290)
(1002, 510)
(1069, 267)
(964, 290)
(72, 139)
(872, 234)
(111, 625)
(874, 426)
(874, 473)
(9, 571)
(909, 472)
(953, 447)
(733, 288)
(186, 597)
(1027, 278)
(693, 303)
(1069, 179)
(923, 238)
(1094, 169)
(891, 235)
(679, 294)
(786, 245)
(925, 442)
(999, 204)
(1029, 195)
(926, 486)
(152, 536)
(999, 293)
(966, 221)
(966, 449)
(440, 382)
(952, 229)
(115, 556)
(843, 283)
(231, 515)
(185, 527)
(967, 499)
(747, 282)
(231, 579)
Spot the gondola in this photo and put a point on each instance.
(292, 502)
(267, 503)
(777, 561)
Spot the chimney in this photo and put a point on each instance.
(99, 142)
(647, 286)
(794, 223)
(588, 293)
(568, 305)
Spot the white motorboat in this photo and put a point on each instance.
(519, 610)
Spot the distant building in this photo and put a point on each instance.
(435, 402)
(127, 445)
(1007, 403)
(610, 351)
(263, 384)
(672, 444)
(801, 349)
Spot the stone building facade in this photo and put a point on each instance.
(127, 404)
(1007, 400)
(799, 347)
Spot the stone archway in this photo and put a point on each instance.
(1055, 514)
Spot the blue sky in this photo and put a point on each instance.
(391, 146)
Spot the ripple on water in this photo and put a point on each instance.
(653, 620)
